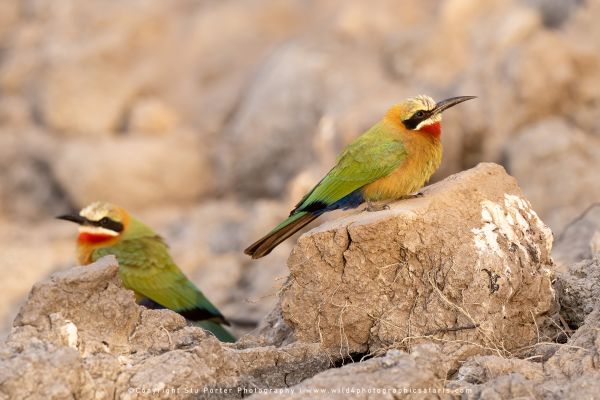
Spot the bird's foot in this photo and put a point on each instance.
(376, 207)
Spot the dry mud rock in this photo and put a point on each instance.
(423, 368)
(570, 373)
(469, 261)
(551, 371)
(80, 334)
(413, 278)
(579, 290)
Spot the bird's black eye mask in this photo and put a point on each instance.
(105, 222)
(109, 224)
(415, 119)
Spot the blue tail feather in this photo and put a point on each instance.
(351, 200)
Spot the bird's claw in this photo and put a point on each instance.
(377, 207)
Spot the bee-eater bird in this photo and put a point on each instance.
(145, 265)
(390, 161)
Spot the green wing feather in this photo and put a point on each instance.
(146, 267)
(373, 155)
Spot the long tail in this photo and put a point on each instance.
(216, 329)
(287, 228)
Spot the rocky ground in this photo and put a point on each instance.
(211, 138)
(208, 119)
(416, 301)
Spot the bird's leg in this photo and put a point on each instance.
(371, 207)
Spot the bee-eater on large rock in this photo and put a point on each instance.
(145, 265)
(390, 161)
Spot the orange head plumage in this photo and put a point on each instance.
(100, 225)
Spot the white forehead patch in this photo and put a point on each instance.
(96, 211)
(427, 101)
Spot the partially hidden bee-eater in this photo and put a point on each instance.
(390, 161)
(145, 265)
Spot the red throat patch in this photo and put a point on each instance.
(434, 129)
(91, 238)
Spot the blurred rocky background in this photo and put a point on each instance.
(208, 119)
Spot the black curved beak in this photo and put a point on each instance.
(451, 102)
(73, 218)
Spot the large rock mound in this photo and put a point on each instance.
(469, 261)
(550, 370)
(80, 334)
(438, 294)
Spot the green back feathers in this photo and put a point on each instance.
(373, 155)
(146, 267)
